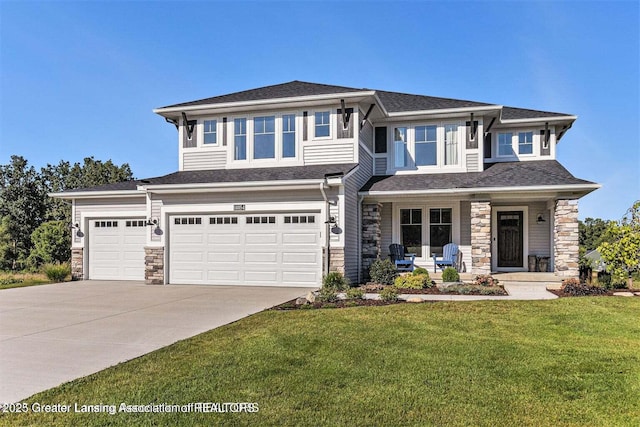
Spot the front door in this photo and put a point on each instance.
(510, 239)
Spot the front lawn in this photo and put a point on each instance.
(571, 361)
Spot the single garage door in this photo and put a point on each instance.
(271, 249)
(116, 249)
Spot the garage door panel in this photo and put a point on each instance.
(299, 238)
(225, 239)
(261, 238)
(305, 258)
(116, 251)
(106, 240)
(189, 274)
(251, 251)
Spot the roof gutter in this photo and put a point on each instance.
(540, 119)
(481, 109)
(96, 194)
(448, 191)
(232, 186)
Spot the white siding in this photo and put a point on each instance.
(315, 154)
(105, 208)
(473, 164)
(539, 234)
(198, 160)
(366, 136)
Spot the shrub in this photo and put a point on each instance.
(56, 272)
(327, 295)
(389, 293)
(372, 287)
(336, 281)
(410, 281)
(450, 275)
(9, 280)
(485, 280)
(574, 288)
(570, 282)
(420, 270)
(383, 271)
(355, 293)
(51, 243)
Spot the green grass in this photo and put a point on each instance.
(566, 362)
(21, 280)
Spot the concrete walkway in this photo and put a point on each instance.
(52, 334)
(516, 291)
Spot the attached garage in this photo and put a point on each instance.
(266, 249)
(116, 249)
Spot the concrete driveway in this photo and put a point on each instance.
(52, 334)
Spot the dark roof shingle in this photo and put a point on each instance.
(508, 174)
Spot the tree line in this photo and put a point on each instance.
(35, 228)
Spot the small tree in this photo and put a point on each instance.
(51, 244)
(621, 251)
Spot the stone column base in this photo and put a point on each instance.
(154, 265)
(77, 264)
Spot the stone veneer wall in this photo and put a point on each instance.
(565, 238)
(154, 266)
(77, 264)
(371, 235)
(481, 237)
(336, 261)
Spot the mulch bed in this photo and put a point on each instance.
(562, 294)
(291, 305)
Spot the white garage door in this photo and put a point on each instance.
(116, 249)
(266, 249)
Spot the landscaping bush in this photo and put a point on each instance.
(9, 280)
(327, 295)
(383, 271)
(336, 281)
(420, 270)
(574, 288)
(450, 275)
(485, 280)
(389, 293)
(56, 272)
(410, 281)
(355, 293)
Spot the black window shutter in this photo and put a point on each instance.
(304, 125)
(472, 143)
(381, 139)
(224, 131)
(487, 146)
(545, 150)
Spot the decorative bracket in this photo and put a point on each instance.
(486, 131)
(473, 124)
(189, 125)
(366, 116)
(547, 136)
(346, 115)
(173, 122)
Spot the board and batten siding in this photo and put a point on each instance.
(386, 228)
(318, 154)
(352, 233)
(199, 160)
(539, 234)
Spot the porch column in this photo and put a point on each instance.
(371, 235)
(565, 238)
(481, 237)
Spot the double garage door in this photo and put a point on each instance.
(274, 249)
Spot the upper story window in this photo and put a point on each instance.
(400, 147)
(288, 135)
(210, 132)
(426, 145)
(450, 144)
(323, 124)
(264, 137)
(505, 144)
(240, 139)
(525, 143)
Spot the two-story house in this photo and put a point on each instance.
(280, 184)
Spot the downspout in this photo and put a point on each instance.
(327, 230)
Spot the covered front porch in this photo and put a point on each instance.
(494, 235)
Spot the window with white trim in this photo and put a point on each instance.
(240, 139)
(525, 143)
(210, 132)
(264, 137)
(322, 124)
(450, 144)
(288, 135)
(401, 153)
(426, 145)
(411, 230)
(505, 144)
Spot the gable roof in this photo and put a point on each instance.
(393, 102)
(541, 174)
(227, 176)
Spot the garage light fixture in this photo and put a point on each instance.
(152, 221)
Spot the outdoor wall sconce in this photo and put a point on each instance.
(540, 219)
(76, 227)
(152, 221)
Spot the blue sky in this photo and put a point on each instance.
(80, 79)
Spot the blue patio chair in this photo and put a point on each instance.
(449, 255)
(402, 260)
